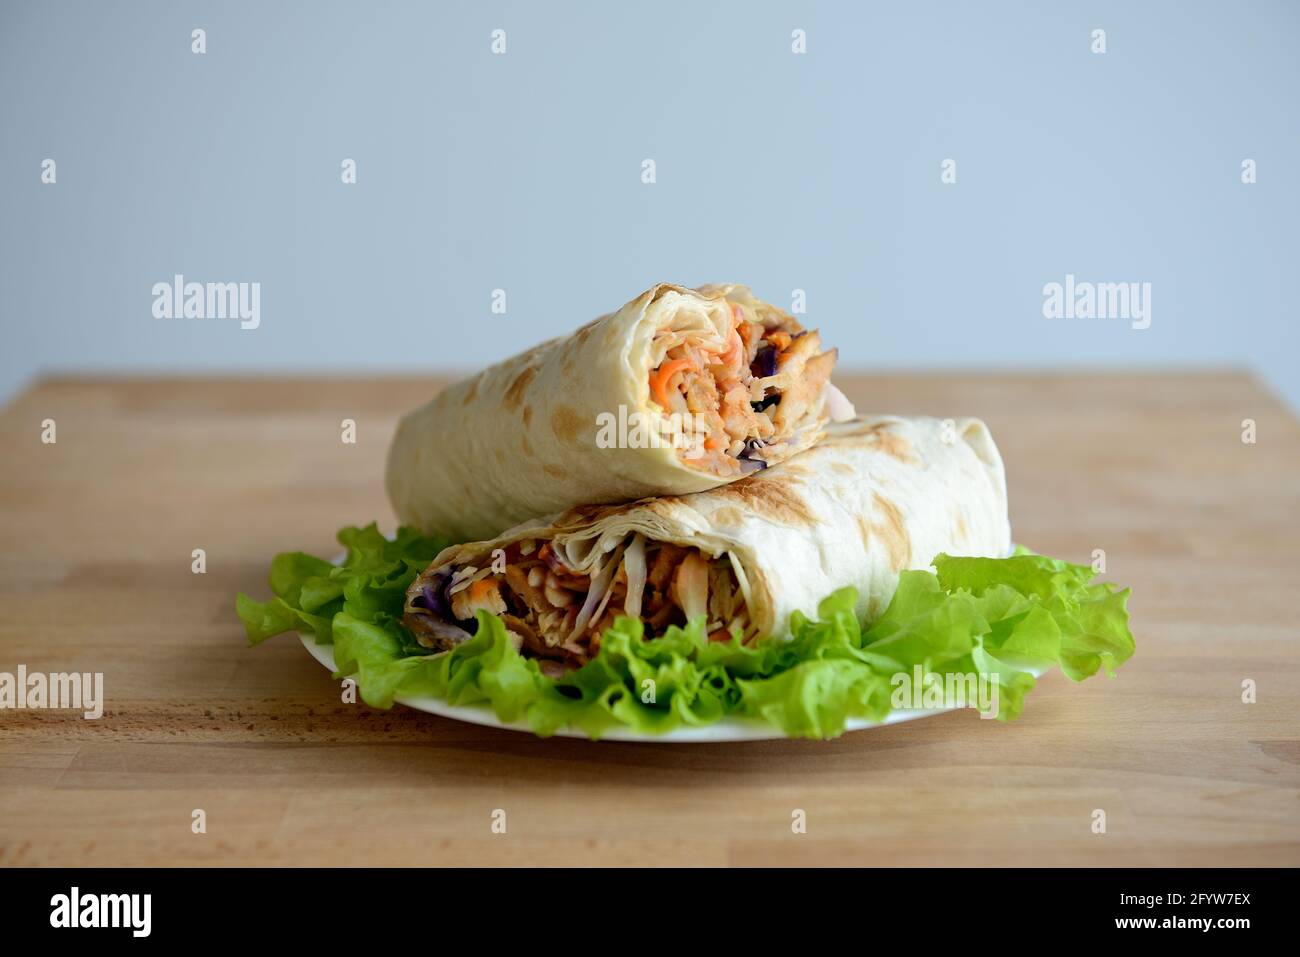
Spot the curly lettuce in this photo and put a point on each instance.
(1003, 619)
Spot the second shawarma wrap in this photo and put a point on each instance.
(877, 496)
(679, 391)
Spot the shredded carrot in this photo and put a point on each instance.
(659, 379)
(480, 589)
(779, 339)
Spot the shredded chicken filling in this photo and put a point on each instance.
(751, 392)
(557, 614)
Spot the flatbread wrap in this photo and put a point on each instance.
(876, 496)
(678, 391)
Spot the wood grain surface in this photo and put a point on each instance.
(95, 576)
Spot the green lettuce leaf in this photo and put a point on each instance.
(368, 586)
(970, 620)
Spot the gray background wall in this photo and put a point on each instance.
(523, 172)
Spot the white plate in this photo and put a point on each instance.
(728, 729)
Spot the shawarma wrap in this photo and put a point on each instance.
(679, 391)
(875, 497)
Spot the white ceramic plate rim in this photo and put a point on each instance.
(728, 729)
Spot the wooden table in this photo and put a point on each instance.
(95, 575)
